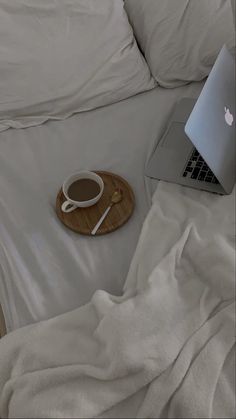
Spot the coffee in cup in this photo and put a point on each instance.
(82, 189)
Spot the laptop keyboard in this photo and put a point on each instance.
(196, 168)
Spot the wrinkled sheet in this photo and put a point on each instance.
(46, 269)
(164, 349)
(62, 57)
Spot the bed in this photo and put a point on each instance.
(35, 246)
(81, 313)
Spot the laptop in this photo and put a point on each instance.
(198, 147)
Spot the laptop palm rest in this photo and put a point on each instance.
(169, 158)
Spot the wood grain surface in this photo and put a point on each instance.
(83, 220)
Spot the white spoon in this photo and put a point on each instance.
(116, 197)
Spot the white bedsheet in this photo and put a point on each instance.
(163, 350)
(46, 269)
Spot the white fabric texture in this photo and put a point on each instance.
(163, 350)
(181, 39)
(65, 56)
(46, 269)
(233, 10)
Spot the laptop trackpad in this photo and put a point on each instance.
(169, 158)
(166, 164)
(176, 138)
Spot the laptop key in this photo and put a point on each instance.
(197, 168)
(210, 175)
(195, 173)
(202, 176)
(215, 180)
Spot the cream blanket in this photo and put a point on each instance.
(164, 349)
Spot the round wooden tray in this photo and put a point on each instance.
(83, 220)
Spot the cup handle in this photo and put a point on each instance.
(67, 206)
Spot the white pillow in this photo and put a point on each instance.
(58, 57)
(181, 38)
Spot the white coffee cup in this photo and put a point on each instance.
(70, 205)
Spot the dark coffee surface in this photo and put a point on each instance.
(83, 190)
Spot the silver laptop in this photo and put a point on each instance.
(198, 147)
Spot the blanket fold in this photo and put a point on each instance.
(162, 349)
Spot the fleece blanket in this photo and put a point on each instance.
(165, 349)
